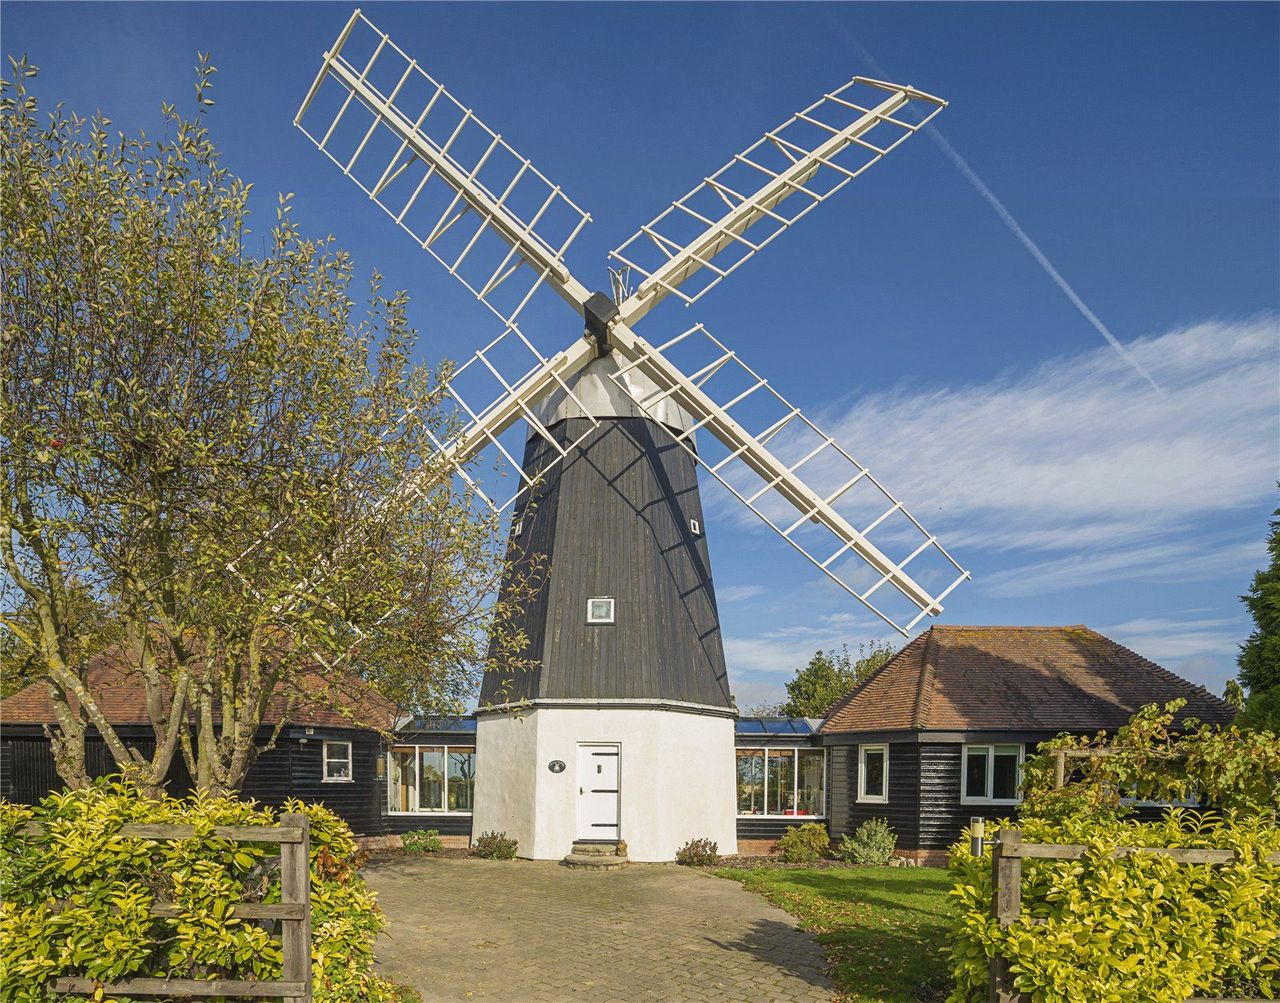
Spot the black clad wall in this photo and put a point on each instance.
(613, 519)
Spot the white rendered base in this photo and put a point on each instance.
(677, 774)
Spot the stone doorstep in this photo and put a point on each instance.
(596, 856)
(595, 849)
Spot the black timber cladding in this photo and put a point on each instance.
(901, 811)
(613, 519)
(291, 769)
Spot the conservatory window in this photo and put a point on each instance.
(337, 762)
(431, 778)
(782, 782)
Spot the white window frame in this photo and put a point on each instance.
(350, 778)
(863, 796)
(695, 527)
(795, 751)
(990, 749)
(417, 748)
(613, 610)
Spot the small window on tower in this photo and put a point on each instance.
(600, 609)
(696, 527)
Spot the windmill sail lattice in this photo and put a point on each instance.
(714, 229)
(496, 222)
(503, 228)
(796, 478)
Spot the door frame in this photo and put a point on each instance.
(617, 747)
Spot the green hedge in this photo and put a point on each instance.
(1137, 928)
(76, 899)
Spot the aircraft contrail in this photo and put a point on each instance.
(1014, 226)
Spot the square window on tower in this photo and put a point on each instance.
(695, 527)
(600, 609)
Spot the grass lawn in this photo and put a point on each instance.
(883, 928)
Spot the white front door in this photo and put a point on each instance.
(599, 791)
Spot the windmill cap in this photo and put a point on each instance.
(596, 394)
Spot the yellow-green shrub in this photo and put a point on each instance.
(803, 844)
(76, 899)
(1140, 927)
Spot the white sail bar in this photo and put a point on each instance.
(470, 431)
(516, 396)
(732, 214)
(803, 484)
(498, 224)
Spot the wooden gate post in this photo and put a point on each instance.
(1006, 906)
(295, 887)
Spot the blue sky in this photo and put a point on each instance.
(1137, 145)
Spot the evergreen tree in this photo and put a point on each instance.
(1260, 655)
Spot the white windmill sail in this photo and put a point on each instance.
(452, 183)
(708, 233)
(796, 478)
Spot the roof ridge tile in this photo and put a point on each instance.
(924, 685)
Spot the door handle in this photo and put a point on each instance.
(579, 790)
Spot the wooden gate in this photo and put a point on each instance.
(293, 911)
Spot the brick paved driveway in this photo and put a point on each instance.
(532, 931)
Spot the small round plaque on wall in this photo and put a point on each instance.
(555, 766)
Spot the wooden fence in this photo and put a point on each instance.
(293, 911)
(1007, 853)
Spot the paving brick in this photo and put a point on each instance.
(535, 932)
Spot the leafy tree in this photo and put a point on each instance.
(1233, 693)
(87, 630)
(196, 441)
(1158, 755)
(1259, 658)
(829, 675)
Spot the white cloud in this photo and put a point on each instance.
(1075, 471)
(1169, 639)
(1188, 558)
(771, 658)
(1074, 453)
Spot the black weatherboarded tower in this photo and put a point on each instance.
(624, 668)
(620, 520)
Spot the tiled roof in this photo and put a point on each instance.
(1015, 679)
(121, 695)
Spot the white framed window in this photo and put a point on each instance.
(873, 773)
(600, 609)
(991, 774)
(695, 527)
(782, 782)
(337, 762)
(431, 779)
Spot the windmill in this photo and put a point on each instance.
(628, 686)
